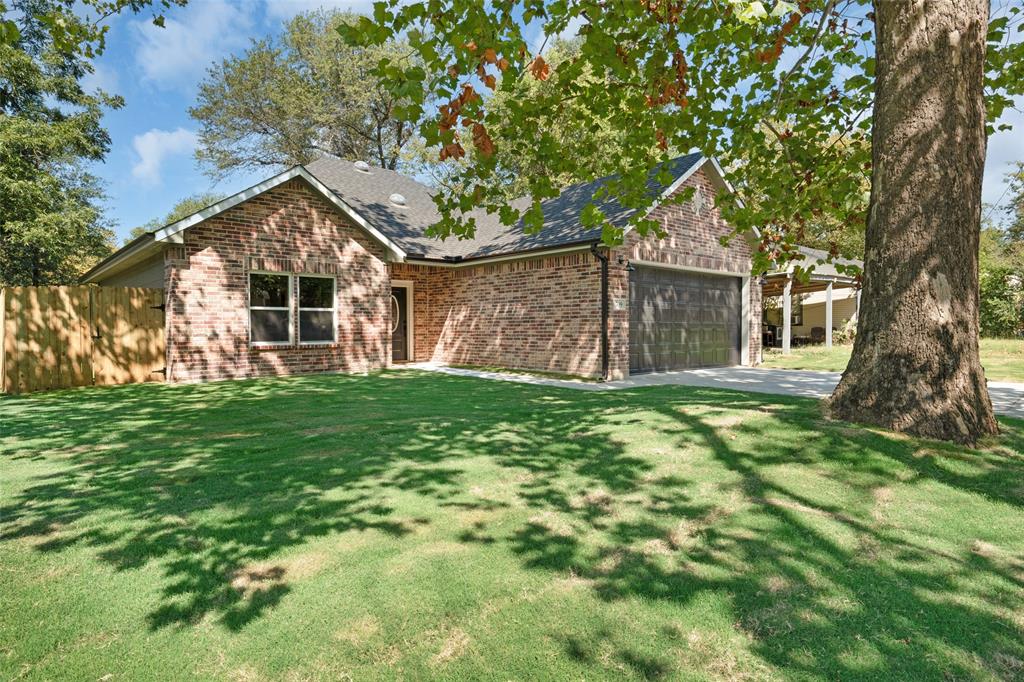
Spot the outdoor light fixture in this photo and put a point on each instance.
(629, 266)
(762, 280)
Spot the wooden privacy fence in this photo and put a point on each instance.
(59, 337)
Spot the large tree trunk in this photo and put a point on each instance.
(915, 365)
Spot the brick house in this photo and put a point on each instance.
(326, 268)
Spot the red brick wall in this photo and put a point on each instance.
(545, 313)
(287, 229)
(540, 313)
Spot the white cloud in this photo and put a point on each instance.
(102, 78)
(177, 55)
(156, 145)
(286, 9)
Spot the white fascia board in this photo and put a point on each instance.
(128, 256)
(171, 233)
(676, 184)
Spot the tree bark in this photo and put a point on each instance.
(915, 364)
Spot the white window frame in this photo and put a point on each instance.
(333, 309)
(291, 313)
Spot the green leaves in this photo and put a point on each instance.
(780, 92)
(9, 33)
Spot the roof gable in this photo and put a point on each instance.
(171, 233)
(368, 192)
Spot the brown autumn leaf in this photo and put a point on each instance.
(482, 140)
(471, 46)
(491, 82)
(452, 150)
(502, 64)
(490, 56)
(662, 141)
(468, 95)
(539, 68)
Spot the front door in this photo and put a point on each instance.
(399, 324)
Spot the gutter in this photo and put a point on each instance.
(605, 372)
(466, 261)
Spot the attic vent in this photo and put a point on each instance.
(698, 202)
(362, 166)
(397, 199)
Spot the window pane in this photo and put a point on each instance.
(316, 292)
(269, 326)
(316, 326)
(268, 290)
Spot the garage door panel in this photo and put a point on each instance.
(681, 320)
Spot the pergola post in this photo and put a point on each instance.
(828, 315)
(787, 316)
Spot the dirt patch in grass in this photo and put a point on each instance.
(245, 673)
(455, 645)
(688, 532)
(883, 496)
(718, 659)
(265, 575)
(359, 632)
(554, 524)
(598, 499)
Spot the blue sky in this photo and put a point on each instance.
(151, 164)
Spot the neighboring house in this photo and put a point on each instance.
(326, 268)
(821, 299)
(809, 311)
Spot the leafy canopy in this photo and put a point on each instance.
(72, 27)
(781, 93)
(290, 99)
(51, 226)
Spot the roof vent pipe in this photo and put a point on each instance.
(397, 199)
(362, 166)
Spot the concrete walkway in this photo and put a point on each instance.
(1007, 398)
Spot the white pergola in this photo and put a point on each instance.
(825, 277)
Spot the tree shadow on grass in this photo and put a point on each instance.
(214, 483)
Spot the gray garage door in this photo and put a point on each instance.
(682, 320)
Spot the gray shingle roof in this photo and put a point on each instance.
(368, 194)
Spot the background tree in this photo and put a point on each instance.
(291, 99)
(1001, 265)
(51, 227)
(769, 89)
(1015, 209)
(182, 209)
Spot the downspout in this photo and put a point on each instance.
(604, 309)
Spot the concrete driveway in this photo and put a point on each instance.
(1007, 398)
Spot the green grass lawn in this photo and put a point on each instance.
(1003, 359)
(417, 526)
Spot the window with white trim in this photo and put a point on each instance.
(317, 305)
(270, 312)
